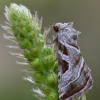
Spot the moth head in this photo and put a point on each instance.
(66, 32)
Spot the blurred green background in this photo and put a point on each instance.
(86, 17)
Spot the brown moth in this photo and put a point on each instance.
(74, 78)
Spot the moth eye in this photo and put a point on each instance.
(56, 28)
(74, 37)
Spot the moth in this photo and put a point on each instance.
(74, 77)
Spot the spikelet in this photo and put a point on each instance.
(25, 30)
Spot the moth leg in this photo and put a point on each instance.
(55, 40)
(55, 59)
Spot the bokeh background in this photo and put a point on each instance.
(86, 17)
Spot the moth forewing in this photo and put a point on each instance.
(74, 78)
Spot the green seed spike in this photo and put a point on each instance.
(35, 52)
(49, 62)
(37, 65)
(26, 29)
(39, 77)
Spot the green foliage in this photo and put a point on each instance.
(26, 31)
